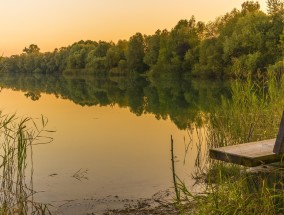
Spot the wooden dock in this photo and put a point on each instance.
(253, 153)
(248, 154)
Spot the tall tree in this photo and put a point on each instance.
(275, 7)
(250, 7)
(136, 53)
(31, 49)
(152, 48)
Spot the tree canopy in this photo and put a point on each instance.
(240, 43)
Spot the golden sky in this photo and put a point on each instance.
(55, 23)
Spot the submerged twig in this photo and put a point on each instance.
(81, 174)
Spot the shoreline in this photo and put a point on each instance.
(160, 203)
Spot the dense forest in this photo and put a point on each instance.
(237, 44)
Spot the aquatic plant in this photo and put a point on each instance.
(252, 113)
(17, 138)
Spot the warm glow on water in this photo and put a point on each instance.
(124, 154)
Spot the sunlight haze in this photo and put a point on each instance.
(55, 23)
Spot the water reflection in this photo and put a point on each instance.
(108, 129)
(179, 99)
(108, 141)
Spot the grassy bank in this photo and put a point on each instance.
(252, 113)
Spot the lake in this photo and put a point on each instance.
(113, 132)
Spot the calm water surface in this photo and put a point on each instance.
(120, 153)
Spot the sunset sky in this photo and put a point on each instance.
(55, 23)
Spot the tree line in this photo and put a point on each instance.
(237, 44)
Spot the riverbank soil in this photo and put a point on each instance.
(160, 204)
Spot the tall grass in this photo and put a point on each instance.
(252, 113)
(17, 137)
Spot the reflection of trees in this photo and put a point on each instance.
(180, 100)
(33, 96)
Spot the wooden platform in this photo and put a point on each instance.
(248, 154)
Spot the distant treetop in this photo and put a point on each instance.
(31, 49)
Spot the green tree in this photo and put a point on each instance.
(112, 57)
(210, 62)
(102, 48)
(178, 47)
(248, 43)
(77, 57)
(32, 49)
(250, 7)
(116, 53)
(136, 53)
(275, 10)
(152, 48)
(275, 7)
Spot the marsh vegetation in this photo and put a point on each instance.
(18, 136)
(253, 113)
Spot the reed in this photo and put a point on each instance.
(252, 113)
(17, 138)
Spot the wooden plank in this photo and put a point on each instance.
(247, 154)
(279, 143)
